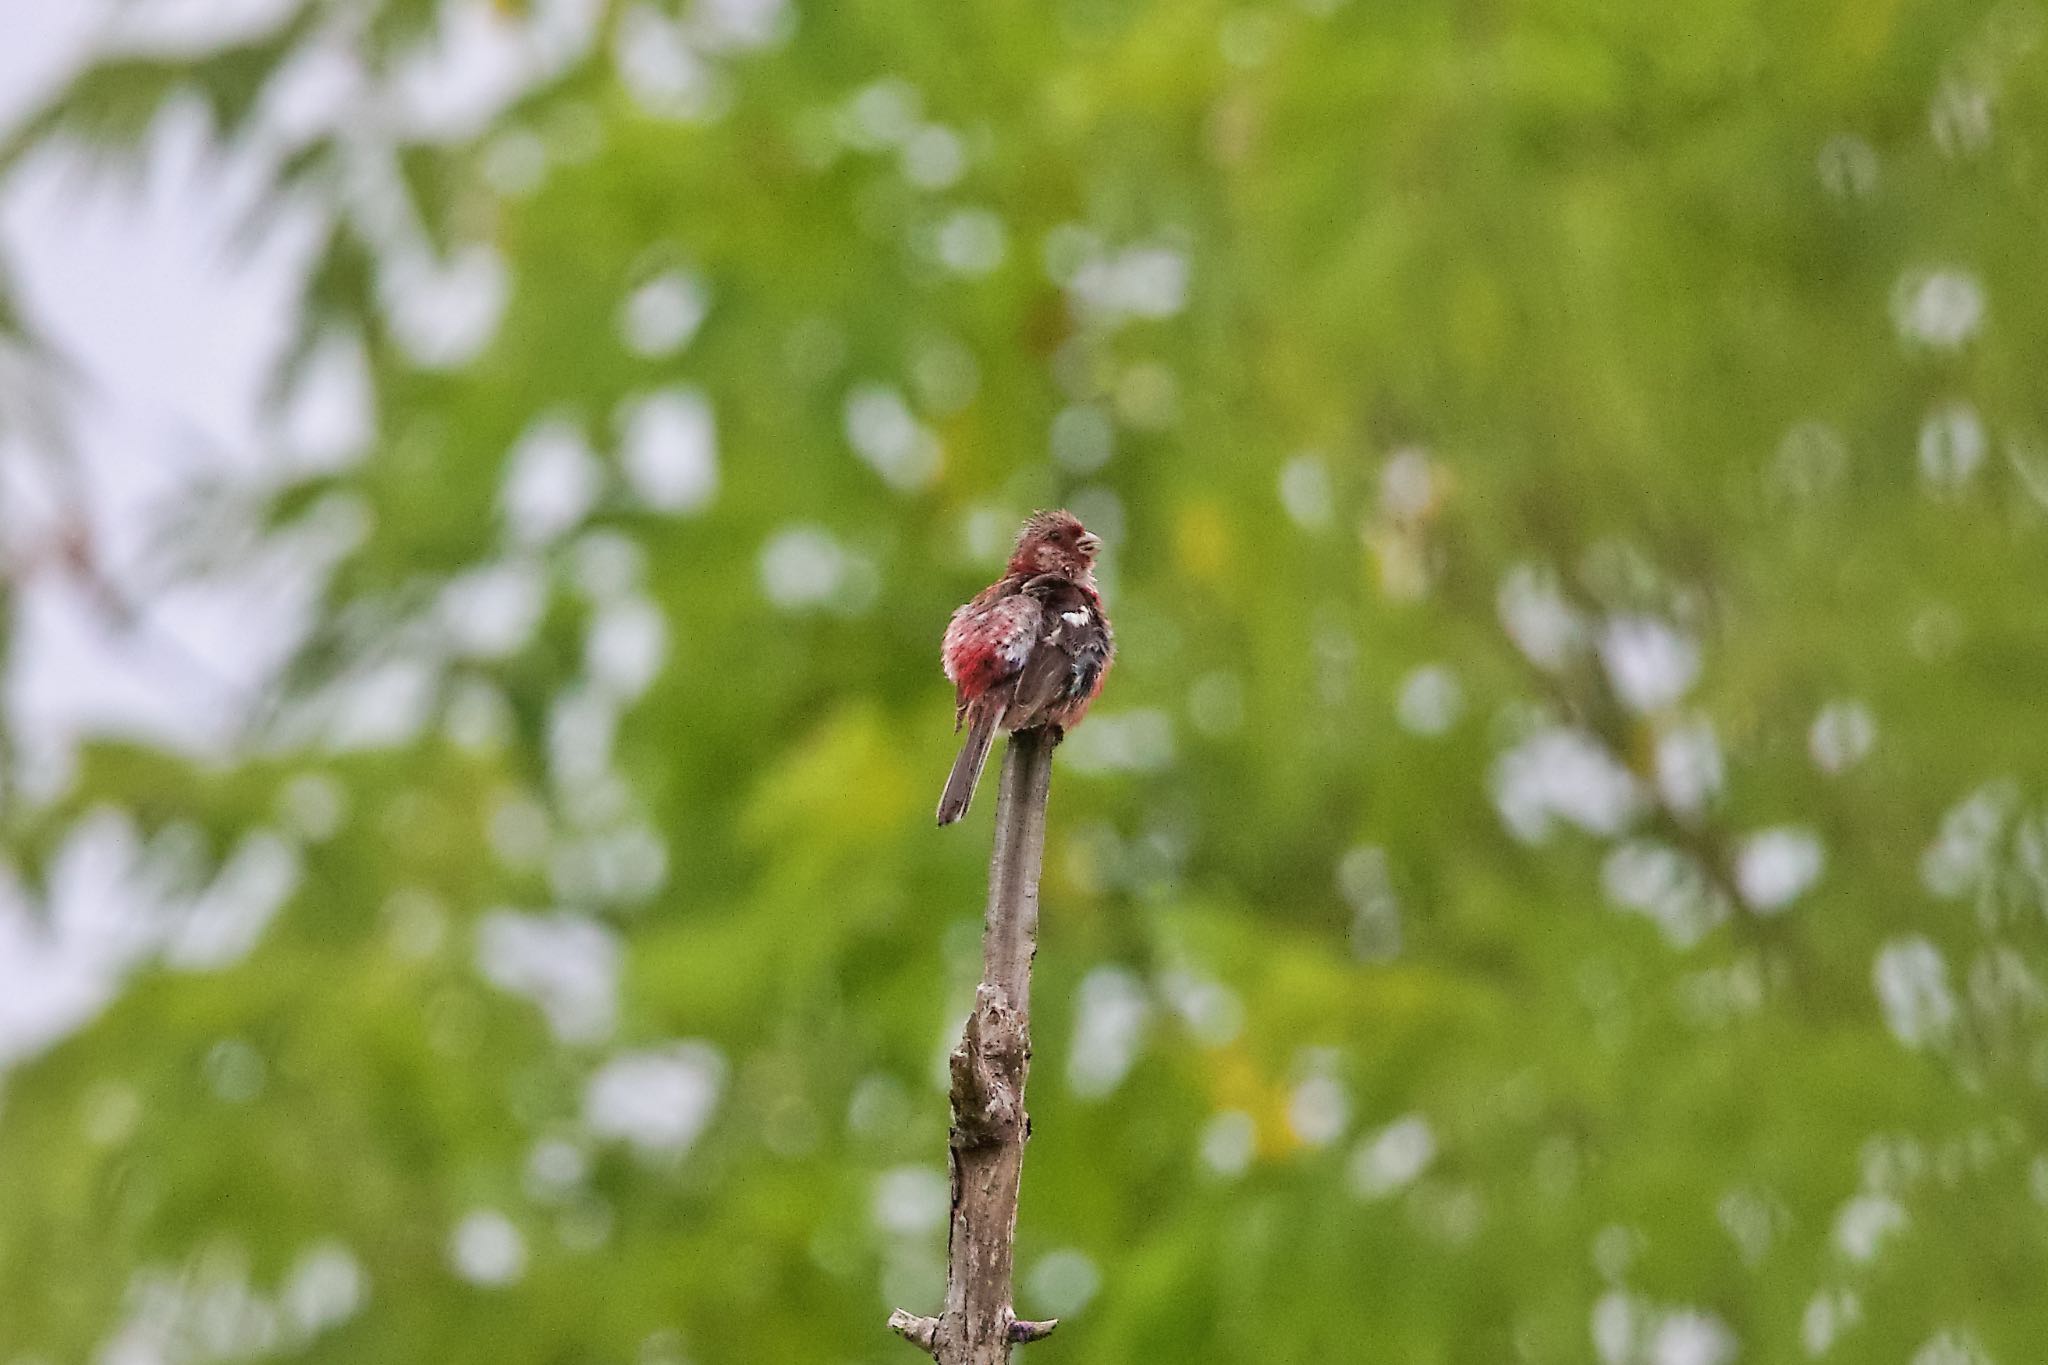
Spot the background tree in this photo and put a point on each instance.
(1560, 868)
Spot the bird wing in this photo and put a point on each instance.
(988, 641)
(1068, 656)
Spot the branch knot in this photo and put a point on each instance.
(988, 1072)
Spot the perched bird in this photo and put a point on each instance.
(1029, 651)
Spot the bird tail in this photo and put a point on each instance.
(960, 784)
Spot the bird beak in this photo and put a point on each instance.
(1089, 543)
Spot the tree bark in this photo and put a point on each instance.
(986, 1145)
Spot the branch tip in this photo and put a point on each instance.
(922, 1333)
(1033, 1331)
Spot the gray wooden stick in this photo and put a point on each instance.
(986, 1147)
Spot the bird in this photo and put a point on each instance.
(1029, 651)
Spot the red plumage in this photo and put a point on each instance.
(1030, 651)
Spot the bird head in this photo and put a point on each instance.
(1055, 542)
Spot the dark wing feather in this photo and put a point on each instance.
(1067, 659)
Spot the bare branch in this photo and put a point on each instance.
(986, 1146)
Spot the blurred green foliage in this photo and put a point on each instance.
(1559, 869)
